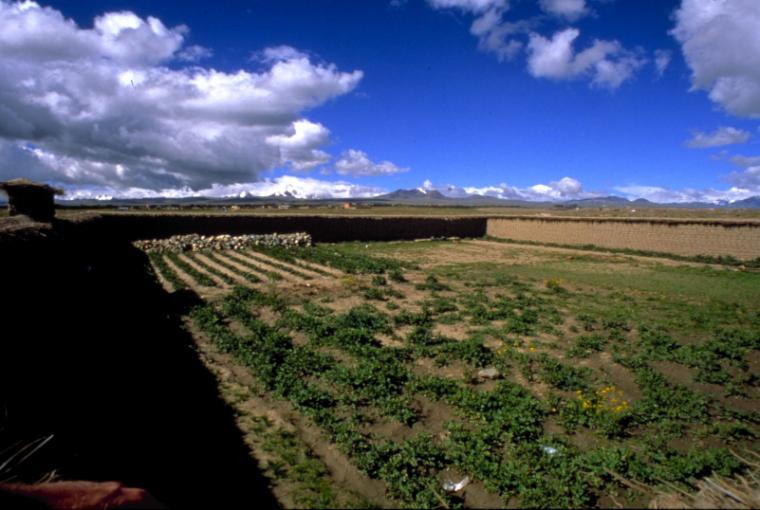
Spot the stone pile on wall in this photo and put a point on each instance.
(195, 242)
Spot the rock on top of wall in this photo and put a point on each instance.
(195, 242)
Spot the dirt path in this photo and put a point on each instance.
(208, 293)
(232, 274)
(290, 277)
(218, 281)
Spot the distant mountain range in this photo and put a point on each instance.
(434, 197)
(412, 197)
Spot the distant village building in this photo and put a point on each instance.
(31, 199)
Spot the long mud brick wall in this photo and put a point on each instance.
(321, 228)
(740, 239)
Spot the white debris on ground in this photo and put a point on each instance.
(489, 373)
(196, 242)
(451, 486)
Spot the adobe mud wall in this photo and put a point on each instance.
(321, 228)
(740, 239)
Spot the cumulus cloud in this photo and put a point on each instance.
(724, 135)
(474, 6)
(357, 163)
(102, 107)
(746, 161)
(566, 188)
(194, 53)
(300, 147)
(606, 62)
(749, 176)
(720, 41)
(278, 53)
(744, 183)
(748, 179)
(570, 10)
(284, 186)
(495, 34)
(666, 195)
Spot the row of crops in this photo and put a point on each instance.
(579, 441)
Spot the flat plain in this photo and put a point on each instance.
(477, 373)
(433, 210)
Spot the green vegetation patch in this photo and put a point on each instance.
(551, 384)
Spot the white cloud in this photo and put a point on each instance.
(662, 60)
(284, 186)
(102, 107)
(666, 195)
(566, 188)
(194, 53)
(300, 149)
(606, 62)
(473, 6)
(724, 135)
(356, 163)
(748, 179)
(278, 53)
(569, 10)
(746, 161)
(744, 184)
(495, 34)
(720, 41)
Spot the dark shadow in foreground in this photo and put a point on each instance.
(92, 352)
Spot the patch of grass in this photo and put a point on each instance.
(433, 284)
(563, 376)
(340, 376)
(585, 345)
(348, 258)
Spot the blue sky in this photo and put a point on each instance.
(536, 99)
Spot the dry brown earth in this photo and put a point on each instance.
(740, 239)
